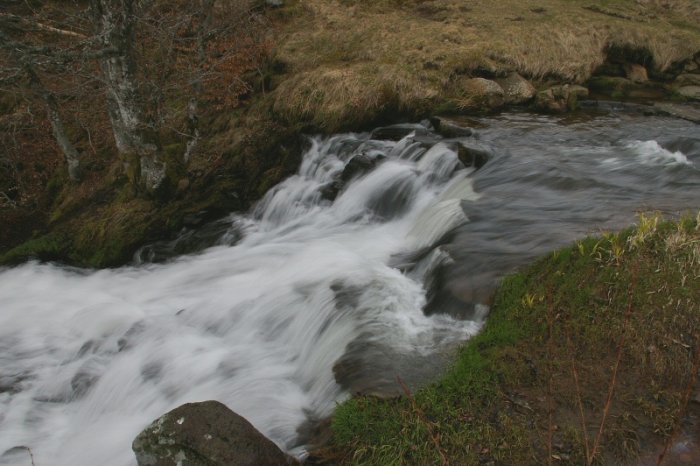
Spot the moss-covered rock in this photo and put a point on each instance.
(205, 434)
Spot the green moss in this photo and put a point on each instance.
(45, 248)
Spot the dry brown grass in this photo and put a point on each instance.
(366, 53)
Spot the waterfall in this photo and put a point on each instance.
(257, 321)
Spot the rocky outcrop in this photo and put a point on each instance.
(517, 89)
(205, 434)
(559, 99)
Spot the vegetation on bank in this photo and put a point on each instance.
(589, 356)
(317, 66)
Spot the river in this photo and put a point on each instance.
(331, 285)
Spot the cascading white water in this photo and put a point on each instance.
(88, 358)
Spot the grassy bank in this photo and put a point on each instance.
(351, 61)
(589, 356)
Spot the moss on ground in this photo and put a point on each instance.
(617, 314)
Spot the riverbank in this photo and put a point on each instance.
(589, 356)
(349, 65)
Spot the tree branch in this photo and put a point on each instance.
(41, 26)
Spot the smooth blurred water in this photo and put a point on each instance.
(311, 296)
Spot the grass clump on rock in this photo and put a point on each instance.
(590, 356)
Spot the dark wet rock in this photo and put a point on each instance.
(329, 191)
(450, 129)
(359, 165)
(559, 99)
(472, 155)
(517, 89)
(397, 132)
(205, 434)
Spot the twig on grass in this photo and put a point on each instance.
(618, 358)
(435, 437)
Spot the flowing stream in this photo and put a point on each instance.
(342, 278)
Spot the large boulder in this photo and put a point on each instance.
(482, 94)
(559, 99)
(517, 89)
(205, 434)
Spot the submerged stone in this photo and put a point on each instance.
(205, 434)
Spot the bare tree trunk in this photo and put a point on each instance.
(204, 15)
(136, 142)
(59, 132)
(64, 143)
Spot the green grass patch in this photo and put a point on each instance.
(617, 313)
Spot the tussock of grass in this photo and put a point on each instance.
(602, 334)
(350, 52)
(335, 98)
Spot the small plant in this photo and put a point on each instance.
(646, 228)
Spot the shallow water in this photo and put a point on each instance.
(324, 288)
